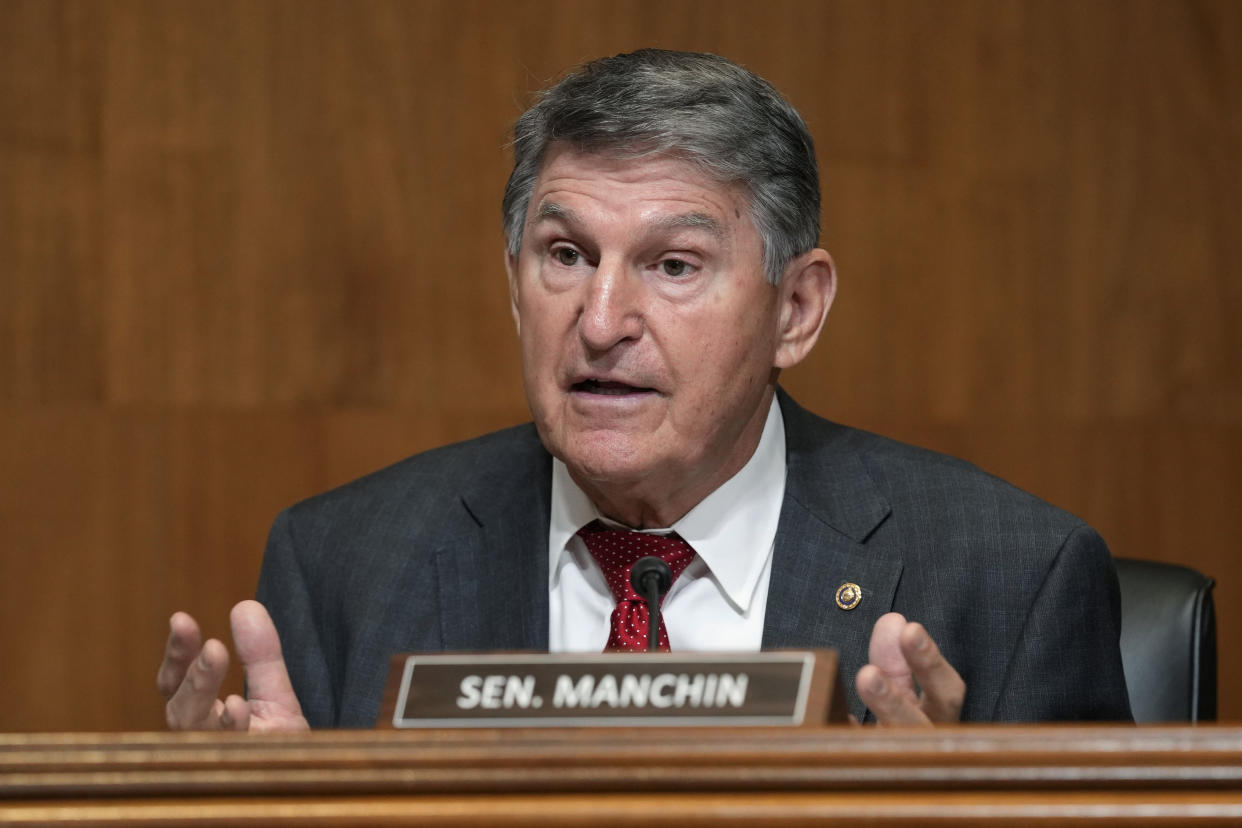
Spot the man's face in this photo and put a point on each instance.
(648, 330)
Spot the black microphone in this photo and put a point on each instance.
(651, 578)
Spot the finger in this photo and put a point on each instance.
(258, 648)
(194, 705)
(891, 703)
(235, 714)
(943, 689)
(184, 642)
(885, 652)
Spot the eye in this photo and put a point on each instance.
(674, 267)
(567, 256)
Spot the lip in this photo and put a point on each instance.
(591, 386)
(609, 394)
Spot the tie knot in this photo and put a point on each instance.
(617, 550)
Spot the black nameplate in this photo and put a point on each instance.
(611, 689)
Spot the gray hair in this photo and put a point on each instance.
(704, 108)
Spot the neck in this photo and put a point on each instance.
(636, 510)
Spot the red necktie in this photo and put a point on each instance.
(616, 551)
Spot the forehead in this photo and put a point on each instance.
(653, 185)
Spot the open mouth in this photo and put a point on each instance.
(607, 388)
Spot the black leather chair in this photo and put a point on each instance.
(1168, 641)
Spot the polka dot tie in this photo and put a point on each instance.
(616, 551)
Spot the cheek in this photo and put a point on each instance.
(543, 344)
(715, 372)
(733, 345)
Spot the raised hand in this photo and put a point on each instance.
(908, 681)
(192, 671)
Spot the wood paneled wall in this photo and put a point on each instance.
(250, 249)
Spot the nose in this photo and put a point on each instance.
(611, 308)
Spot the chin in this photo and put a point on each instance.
(602, 460)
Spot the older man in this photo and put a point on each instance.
(662, 223)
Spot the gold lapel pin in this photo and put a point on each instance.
(849, 596)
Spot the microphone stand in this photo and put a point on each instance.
(651, 578)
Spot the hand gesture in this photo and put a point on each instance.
(192, 671)
(908, 681)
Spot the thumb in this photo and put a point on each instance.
(885, 650)
(258, 649)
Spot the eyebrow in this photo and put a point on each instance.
(693, 221)
(551, 211)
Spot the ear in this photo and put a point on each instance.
(511, 267)
(806, 293)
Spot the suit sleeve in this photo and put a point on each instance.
(286, 591)
(1066, 664)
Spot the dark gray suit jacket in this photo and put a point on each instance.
(447, 550)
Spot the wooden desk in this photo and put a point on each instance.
(973, 774)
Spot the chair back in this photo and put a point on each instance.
(1168, 641)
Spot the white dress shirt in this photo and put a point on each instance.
(718, 603)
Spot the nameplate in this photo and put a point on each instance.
(791, 688)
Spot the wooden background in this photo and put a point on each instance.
(252, 249)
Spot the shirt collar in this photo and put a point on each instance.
(732, 529)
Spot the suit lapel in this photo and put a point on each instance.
(493, 576)
(831, 507)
